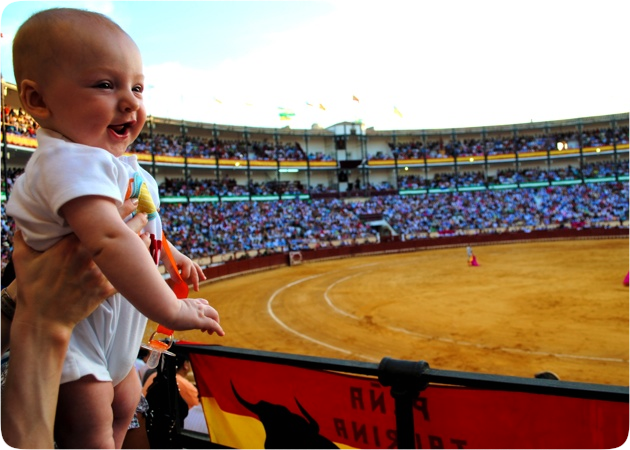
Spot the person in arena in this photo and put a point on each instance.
(80, 76)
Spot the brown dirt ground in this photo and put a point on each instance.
(558, 306)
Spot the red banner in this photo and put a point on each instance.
(263, 405)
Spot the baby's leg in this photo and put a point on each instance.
(95, 414)
(126, 398)
(84, 414)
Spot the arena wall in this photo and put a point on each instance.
(248, 264)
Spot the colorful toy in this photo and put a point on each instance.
(162, 338)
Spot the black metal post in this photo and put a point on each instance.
(164, 418)
(406, 380)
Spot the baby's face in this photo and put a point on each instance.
(94, 93)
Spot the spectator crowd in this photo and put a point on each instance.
(208, 228)
(203, 229)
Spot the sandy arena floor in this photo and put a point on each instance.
(558, 306)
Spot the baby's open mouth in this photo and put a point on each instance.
(120, 129)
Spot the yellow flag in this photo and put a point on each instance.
(145, 202)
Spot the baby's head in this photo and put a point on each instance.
(79, 74)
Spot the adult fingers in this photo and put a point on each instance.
(128, 206)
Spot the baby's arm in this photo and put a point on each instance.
(125, 261)
(137, 223)
(190, 271)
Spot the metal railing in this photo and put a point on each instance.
(406, 379)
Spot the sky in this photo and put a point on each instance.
(392, 64)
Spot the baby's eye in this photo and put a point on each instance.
(104, 85)
(139, 88)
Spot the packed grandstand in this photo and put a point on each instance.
(243, 192)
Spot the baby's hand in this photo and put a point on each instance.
(190, 271)
(196, 313)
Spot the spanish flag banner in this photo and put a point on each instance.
(254, 404)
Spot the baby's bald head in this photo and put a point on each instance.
(52, 35)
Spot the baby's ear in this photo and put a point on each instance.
(33, 101)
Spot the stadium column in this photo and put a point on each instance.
(548, 132)
(364, 163)
(215, 143)
(396, 152)
(276, 139)
(249, 178)
(426, 165)
(454, 150)
(485, 158)
(151, 127)
(396, 167)
(581, 150)
(308, 164)
(517, 162)
(184, 130)
(426, 168)
(249, 173)
(613, 126)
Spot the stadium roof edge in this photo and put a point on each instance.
(328, 131)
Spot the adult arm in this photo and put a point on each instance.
(135, 224)
(5, 329)
(50, 304)
(57, 289)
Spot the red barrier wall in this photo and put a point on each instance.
(394, 245)
(243, 266)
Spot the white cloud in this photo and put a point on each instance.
(443, 64)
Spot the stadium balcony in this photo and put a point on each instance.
(423, 189)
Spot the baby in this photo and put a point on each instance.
(81, 77)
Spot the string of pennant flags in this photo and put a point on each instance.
(286, 114)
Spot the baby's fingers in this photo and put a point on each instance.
(215, 328)
(196, 275)
(190, 273)
(209, 316)
(202, 276)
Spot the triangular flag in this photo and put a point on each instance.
(285, 114)
(322, 107)
(217, 100)
(354, 98)
(397, 112)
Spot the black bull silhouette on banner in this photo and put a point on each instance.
(285, 429)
